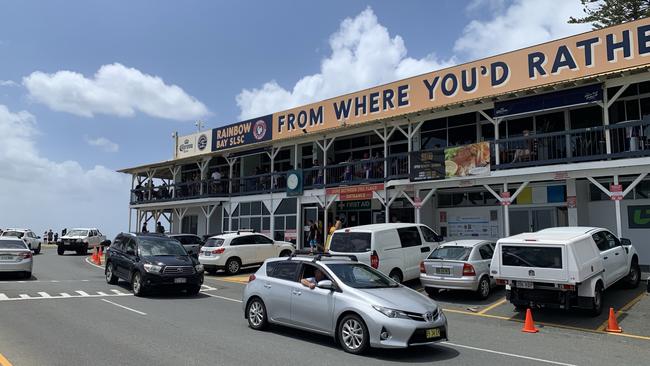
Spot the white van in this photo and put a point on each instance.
(563, 267)
(394, 249)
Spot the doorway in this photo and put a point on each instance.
(313, 213)
(523, 220)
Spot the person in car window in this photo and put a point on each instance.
(311, 282)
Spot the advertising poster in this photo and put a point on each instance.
(427, 165)
(242, 133)
(467, 160)
(469, 227)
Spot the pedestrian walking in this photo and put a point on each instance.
(50, 236)
(311, 238)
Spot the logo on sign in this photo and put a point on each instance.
(202, 142)
(185, 146)
(259, 131)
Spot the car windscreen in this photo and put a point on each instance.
(451, 253)
(153, 247)
(77, 233)
(360, 276)
(17, 234)
(212, 242)
(350, 242)
(541, 257)
(12, 244)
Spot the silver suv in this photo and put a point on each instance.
(336, 295)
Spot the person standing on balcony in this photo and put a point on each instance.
(144, 228)
(366, 166)
(159, 228)
(216, 180)
(319, 174)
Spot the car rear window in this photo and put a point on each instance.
(214, 242)
(17, 234)
(350, 242)
(451, 253)
(12, 244)
(539, 257)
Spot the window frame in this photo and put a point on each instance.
(410, 228)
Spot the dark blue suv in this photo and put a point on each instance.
(148, 261)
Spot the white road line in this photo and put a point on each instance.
(119, 292)
(222, 297)
(82, 293)
(55, 281)
(44, 294)
(93, 264)
(103, 293)
(3, 297)
(124, 307)
(508, 354)
(25, 296)
(65, 294)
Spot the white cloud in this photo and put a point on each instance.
(103, 143)
(523, 23)
(114, 90)
(363, 54)
(8, 83)
(41, 194)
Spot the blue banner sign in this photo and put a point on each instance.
(242, 133)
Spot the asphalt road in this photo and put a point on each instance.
(99, 324)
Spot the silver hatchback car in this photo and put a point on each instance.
(15, 256)
(340, 297)
(459, 265)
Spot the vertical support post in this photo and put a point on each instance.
(299, 224)
(130, 219)
(617, 205)
(417, 209)
(608, 141)
(506, 214)
(385, 139)
(572, 212)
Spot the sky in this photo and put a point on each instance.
(90, 87)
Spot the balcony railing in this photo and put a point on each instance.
(627, 139)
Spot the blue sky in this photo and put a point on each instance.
(212, 51)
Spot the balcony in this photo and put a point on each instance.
(627, 140)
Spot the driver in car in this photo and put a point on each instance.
(311, 282)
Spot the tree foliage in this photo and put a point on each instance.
(603, 13)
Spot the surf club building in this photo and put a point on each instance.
(551, 135)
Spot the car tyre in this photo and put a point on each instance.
(285, 253)
(597, 301)
(137, 285)
(431, 291)
(396, 275)
(256, 314)
(633, 278)
(193, 290)
(60, 250)
(111, 278)
(28, 274)
(38, 250)
(233, 266)
(353, 334)
(483, 291)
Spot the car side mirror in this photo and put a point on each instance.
(439, 238)
(38, 237)
(326, 285)
(626, 242)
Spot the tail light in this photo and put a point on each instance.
(374, 260)
(468, 270)
(422, 270)
(26, 255)
(568, 287)
(219, 250)
(502, 282)
(251, 278)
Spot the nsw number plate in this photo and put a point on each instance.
(433, 333)
(524, 284)
(180, 280)
(443, 271)
(6, 257)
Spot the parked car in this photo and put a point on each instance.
(459, 265)
(32, 240)
(564, 267)
(148, 261)
(192, 243)
(80, 240)
(15, 256)
(350, 301)
(232, 251)
(394, 249)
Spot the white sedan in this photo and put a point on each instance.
(15, 256)
(232, 251)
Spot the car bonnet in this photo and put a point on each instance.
(400, 298)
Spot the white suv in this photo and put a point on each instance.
(232, 251)
(80, 240)
(33, 242)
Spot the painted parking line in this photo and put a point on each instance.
(223, 297)
(623, 309)
(4, 361)
(513, 355)
(124, 307)
(493, 305)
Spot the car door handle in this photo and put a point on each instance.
(616, 253)
(267, 285)
(296, 292)
(425, 249)
(605, 258)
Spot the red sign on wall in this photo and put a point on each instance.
(505, 198)
(354, 193)
(571, 202)
(616, 191)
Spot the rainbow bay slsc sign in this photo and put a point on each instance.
(584, 55)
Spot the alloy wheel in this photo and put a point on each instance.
(485, 288)
(256, 313)
(352, 334)
(233, 266)
(136, 284)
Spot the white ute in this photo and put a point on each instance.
(563, 267)
(80, 240)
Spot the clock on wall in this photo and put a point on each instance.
(294, 183)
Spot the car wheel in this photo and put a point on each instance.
(597, 301)
(353, 334)
(396, 275)
(38, 250)
(285, 253)
(84, 250)
(28, 275)
(193, 290)
(233, 265)
(137, 285)
(483, 291)
(211, 271)
(431, 291)
(111, 278)
(634, 277)
(256, 314)
(60, 250)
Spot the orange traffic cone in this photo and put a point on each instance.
(529, 325)
(99, 256)
(93, 257)
(612, 323)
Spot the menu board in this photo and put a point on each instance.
(427, 165)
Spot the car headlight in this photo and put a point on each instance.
(391, 313)
(199, 268)
(152, 268)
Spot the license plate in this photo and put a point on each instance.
(180, 280)
(6, 257)
(206, 254)
(524, 284)
(433, 333)
(443, 271)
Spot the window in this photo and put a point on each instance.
(486, 251)
(190, 224)
(451, 253)
(118, 244)
(243, 240)
(409, 237)
(428, 234)
(612, 241)
(214, 242)
(282, 270)
(130, 246)
(540, 257)
(601, 242)
(261, 239)
(350, 242)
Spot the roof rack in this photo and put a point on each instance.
(319, 256)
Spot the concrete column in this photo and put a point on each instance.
(506, 214)
(617, 204)
(572, 212)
